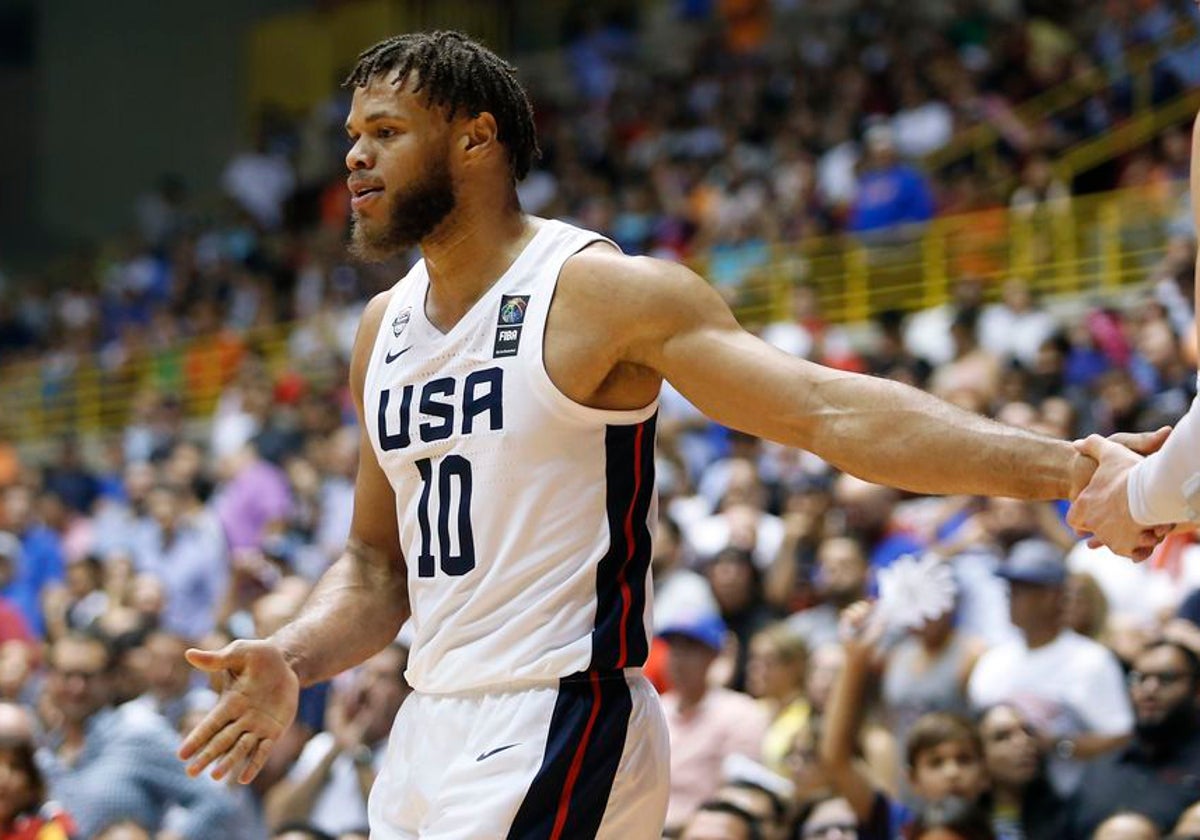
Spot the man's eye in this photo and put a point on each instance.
(384, 133)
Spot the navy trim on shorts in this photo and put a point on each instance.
(619, 638)
(568, 796)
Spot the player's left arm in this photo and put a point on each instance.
(670, 320)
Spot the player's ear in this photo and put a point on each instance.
(479, 133)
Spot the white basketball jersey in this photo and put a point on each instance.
(525, 517)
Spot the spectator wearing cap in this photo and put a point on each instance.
(1158, 772)
(678, 591)
(705, 723)
(1071, 686)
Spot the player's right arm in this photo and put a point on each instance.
(354, 611)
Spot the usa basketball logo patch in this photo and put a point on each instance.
(401, 321)
(508, 325)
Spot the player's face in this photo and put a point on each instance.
(399, 165)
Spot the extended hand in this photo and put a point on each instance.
(860, 628)
(1102, 507)
(258, 702)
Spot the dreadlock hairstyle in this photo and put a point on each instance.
(462, 76)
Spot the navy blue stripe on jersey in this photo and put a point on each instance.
(619, 637)
(570, 792)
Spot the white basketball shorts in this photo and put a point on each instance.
(586, 757)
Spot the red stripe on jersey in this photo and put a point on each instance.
(626, 594)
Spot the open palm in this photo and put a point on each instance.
(259, 696)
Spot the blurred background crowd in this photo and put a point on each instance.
(178, 447)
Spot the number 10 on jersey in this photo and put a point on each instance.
(444, 474)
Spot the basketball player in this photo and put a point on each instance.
(506, 390)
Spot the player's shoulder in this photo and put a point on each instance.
(371, 318)
(364, 340)
(603, 277)
(373, 311)
(602, 263)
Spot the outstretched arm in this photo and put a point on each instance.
(881, 431)
(354, 611)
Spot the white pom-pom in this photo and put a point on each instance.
(913, 591)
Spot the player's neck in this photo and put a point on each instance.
(468, 254)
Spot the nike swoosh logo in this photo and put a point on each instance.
(491, 753)
(391, 357)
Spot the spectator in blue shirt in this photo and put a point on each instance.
(890, 192)
(41, 560)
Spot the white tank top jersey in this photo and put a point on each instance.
(525, 517)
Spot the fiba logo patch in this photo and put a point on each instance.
(512, 309)
(401, 321)
(508, 325)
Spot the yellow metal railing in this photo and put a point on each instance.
(980, 141)
(1128, 136)
(1089, 244)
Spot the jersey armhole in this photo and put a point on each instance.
(544, 385)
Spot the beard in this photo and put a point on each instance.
(1174, 725)
(415, 214)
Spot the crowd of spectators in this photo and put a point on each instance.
(1056, 697)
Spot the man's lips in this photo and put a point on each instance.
(364, 194)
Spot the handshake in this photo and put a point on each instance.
(1100, 502)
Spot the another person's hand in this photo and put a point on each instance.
(259, 697)
(860, 629)
(347, 719)
(1101, 509)
(1183, 632)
